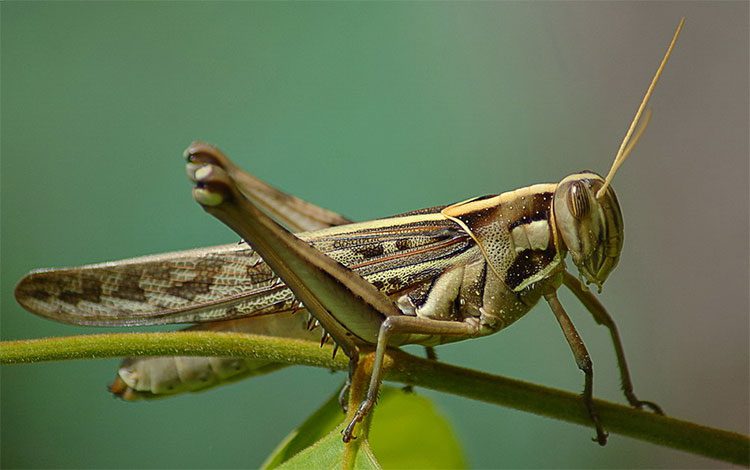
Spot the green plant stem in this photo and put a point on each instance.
(178, 343)
(647, 426)
(661, 430)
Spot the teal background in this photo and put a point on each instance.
(373, 109)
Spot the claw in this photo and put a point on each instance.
(601, 437)
(347, 434)
(650, 405)
(362, 411)
(640, 404)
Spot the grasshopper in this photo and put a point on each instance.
(428, 277)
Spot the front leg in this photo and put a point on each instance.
(601, 316)
(404, 325)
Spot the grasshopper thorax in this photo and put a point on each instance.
(590, 226)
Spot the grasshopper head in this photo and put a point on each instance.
(590, 226)
(585, 207)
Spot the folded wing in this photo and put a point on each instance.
(191, 286)
(232, 281)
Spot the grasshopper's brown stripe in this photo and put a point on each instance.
(372, 250)
(401, 256)
(419, 226)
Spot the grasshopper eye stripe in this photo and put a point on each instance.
(578, 200)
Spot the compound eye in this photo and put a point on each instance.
(579, 201)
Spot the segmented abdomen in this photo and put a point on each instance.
(156, 377)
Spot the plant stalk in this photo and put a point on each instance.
(661, 430)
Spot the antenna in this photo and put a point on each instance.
(627, 146)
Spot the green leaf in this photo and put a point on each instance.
(329, 453)
(315, 427)
(409, 432)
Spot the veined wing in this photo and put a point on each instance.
(232, 281)
(190, 286)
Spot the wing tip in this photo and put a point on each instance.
(25, 291)
(40, 293)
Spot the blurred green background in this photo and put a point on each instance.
(373, 109)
